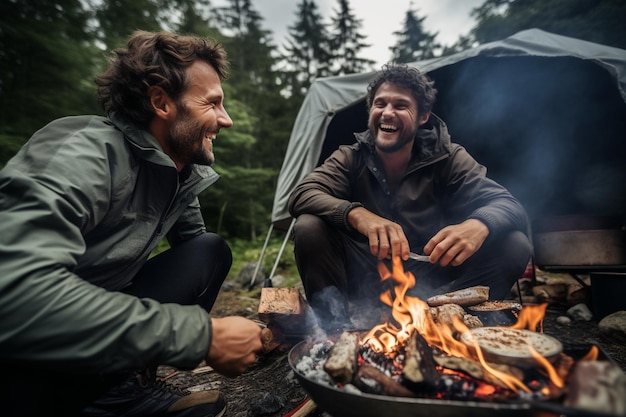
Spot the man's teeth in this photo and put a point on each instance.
(388, 128)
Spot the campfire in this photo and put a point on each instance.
(442, 353)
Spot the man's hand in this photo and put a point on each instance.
(454, 244)
(234, 345)
(386, 238)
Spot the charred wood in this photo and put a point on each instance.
(419, 364)
(371, 380)
(476, 370)
(342, 358)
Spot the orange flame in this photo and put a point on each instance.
(592, 355)
(412, 313)
(531, 317)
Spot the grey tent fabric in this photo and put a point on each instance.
(334, 107)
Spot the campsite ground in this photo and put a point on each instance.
(269, 387)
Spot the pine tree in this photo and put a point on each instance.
(118, 19)
(346, 42)
(308, 53)
(252, 150)
(47, 60)
(600, 21)
(414, 43)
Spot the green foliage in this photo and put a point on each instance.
(600, 21)
(118, 19)
(245, 251)
(346, 42)
(50, 51)
(47, 57)
(308, 53)
(414, 42)
(9, 145)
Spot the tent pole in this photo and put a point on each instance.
(282, 247)
(261, 255)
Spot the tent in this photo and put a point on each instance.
(546, 114)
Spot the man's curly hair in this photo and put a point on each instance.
(153, 59)
(421, 86)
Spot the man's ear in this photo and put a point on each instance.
(161, 102)
(424, 118)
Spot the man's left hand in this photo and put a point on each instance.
(454, 244)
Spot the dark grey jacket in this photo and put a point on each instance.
(443, 185)
(82, 205)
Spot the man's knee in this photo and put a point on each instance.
(515, 249)
(309, 231)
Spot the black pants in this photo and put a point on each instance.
(338, 271)
(190, 273)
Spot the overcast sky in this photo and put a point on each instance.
(379, 18)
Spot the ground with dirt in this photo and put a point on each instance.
(269, 387)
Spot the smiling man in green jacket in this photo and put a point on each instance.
(85, 317)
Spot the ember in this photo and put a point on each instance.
(413, 355)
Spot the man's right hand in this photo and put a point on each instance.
(386, 238)
(234, 345)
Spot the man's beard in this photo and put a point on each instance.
(186, 140)
(403, 139)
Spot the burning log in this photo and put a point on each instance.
(342, 358)
(419, 365)
(371, 380)
(563, 365)
(597, 386)
(476, 370)
(465, 297)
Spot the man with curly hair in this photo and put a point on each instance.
(403, 187)
(86, 315)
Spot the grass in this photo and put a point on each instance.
(245, 251)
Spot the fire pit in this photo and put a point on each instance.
(413, 365)
(342, 402)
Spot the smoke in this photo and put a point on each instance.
(549, 129)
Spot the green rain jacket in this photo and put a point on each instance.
(82, 205)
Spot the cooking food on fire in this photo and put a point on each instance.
(513, 346)
(465, 297)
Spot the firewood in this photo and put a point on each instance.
(577, 294)
(563, 365)
(305, 408)
(550, 293)
(282, 301)
(597, 386)
(342, 358)
(371, 380)
(476, 370)
(270, 339)
(287, 313)
(419, 365)
(465, 297)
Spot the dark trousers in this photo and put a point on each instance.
(189, 273)
(338, 271)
